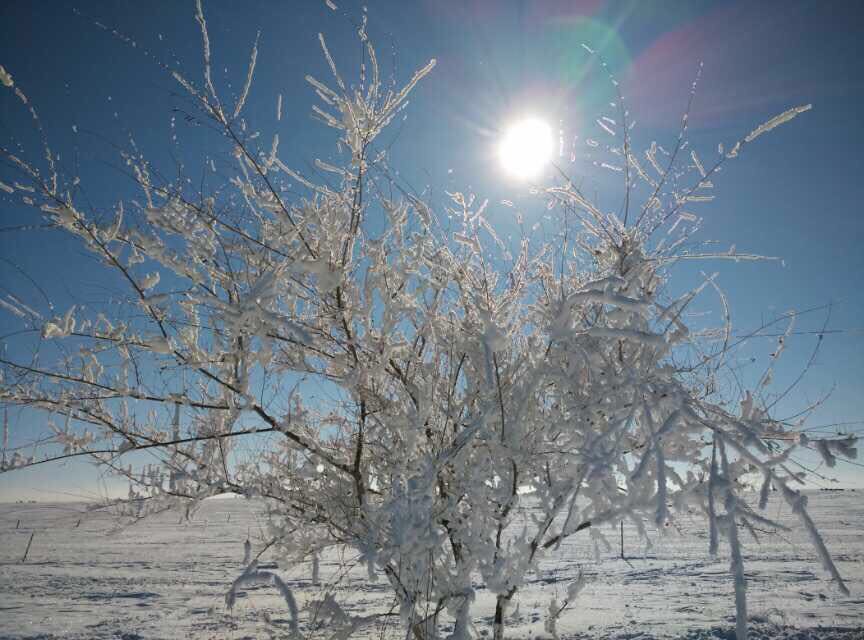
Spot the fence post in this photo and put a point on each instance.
(27, 550)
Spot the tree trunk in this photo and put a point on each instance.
(501, 603)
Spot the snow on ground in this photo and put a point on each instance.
(167, 578)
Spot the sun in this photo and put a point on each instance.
(526, 148)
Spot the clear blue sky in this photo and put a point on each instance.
(794, 194)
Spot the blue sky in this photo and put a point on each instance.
(794, 194)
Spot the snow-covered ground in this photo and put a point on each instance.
(167, 578)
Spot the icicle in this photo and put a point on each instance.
(5, 436)
(798, 503)
(736, 561)
(712, 510)
(661, 515)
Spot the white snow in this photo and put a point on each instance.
(167, 578)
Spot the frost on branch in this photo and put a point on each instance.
(478, 403)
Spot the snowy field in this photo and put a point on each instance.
(164, 578)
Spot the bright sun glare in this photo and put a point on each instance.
(526, 148)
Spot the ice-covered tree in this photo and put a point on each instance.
(484, 404)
